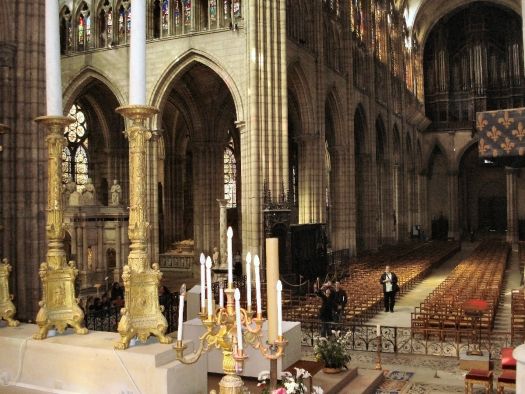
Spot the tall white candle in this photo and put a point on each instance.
(182, 294)
(208, 286)
(203, 283)
(249, 281)
(279, 288)
(221, 296)
(229, 233)
(257, 264)
(238, 318)
(378, 330)
(137, 54)
(53, 69)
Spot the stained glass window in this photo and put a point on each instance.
(122, 24)
(230, 175)
(213, 10)
(81, 31)
(237, 8)
(227, 9)
(187, 12)
(109, 25)
(75, 154)
(358, 25)
(165, 17)
(177, 13)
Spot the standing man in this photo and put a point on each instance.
(327, 309)
(390, 288)
(340, 300)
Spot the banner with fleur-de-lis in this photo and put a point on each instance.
(501, 133)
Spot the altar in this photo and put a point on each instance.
(88, 364)
(193, 329)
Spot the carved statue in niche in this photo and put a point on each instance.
(88, 196)
(69, 188)
(90, 261)
(116, 194)
(215, 257)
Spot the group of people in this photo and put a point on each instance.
(333, 304)
(334, 299)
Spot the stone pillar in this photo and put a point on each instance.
(422, 184)
(397, 201)
(79, 246)
(101, 263)
(453, 211)
(84, 243)
(512, 206)
(118, 252)
(223, 226)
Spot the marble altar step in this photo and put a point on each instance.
(353, 381)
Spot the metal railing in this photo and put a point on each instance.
(402, 340)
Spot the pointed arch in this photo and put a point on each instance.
(177, 68)
(298, 84)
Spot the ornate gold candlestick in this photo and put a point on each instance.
(221, 333)
(142, 315)
(7, 309)
(59, 306)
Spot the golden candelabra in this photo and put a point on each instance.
(142, 315)
(59, 306)
(7, 309)
(221, 333)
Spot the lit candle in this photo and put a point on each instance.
(238, 319)
(279, 287)
(137, 54)
(203, 283)
(378, 330)
(256, 264)
(53, 71)
(208, 286)
(221, 295)
(229, 233)
(249, 281)
(182, 294)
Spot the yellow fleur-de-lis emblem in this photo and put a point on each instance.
(508, 145)
(506, 120)
(481, 122)
(494, 134)
(483, 147)
(519, 132)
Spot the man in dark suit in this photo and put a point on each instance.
(390, 288)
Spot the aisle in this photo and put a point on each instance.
(512, 281)
(406, 304)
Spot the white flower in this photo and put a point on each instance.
(286, 374)
(263, 375)
(291, 386)
(302, 373)
(317, 390)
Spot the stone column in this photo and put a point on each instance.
(512, 206)
(396, 201)
(223, 225)
(101, 263)
(84, 243)
(79, 246)
(422, 184)
(453, 212)
(118, 252)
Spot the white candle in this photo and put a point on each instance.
(279, 288)
(256, 264)
(249, 281)
(238, 318)
(53, 69)
(181, 311)
(208, 286)
(378, 330)
(229, 233)
(221, 296)
(203, 283)
(137, 54)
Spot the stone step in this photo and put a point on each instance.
(353, 381)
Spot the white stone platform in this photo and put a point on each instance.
(72, 363)
(255, 363)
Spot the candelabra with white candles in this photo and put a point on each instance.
(229, 327)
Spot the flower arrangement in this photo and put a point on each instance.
(288, 383)
(334, 350)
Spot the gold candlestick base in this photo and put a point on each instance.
(7, 308)
(59, 306)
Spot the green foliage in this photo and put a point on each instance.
(334, 350)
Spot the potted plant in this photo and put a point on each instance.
(288, 383)
(333, 351)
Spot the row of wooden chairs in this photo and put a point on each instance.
(365, 295)
(480, 276)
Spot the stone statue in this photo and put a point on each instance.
(74, 198)
(116, 194)
(215, 257)
(88, 196)
(69, 188)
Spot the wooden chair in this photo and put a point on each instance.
(507, 380)
(481, 377)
